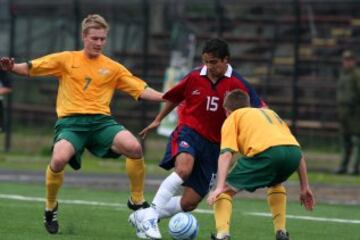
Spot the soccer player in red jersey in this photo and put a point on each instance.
(193, 147)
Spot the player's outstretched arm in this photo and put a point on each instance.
(306, 195)
(4, 90)
(8, 64)
(169, 106)
(152, 95)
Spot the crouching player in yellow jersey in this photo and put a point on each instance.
(87, 81)
(270, 154)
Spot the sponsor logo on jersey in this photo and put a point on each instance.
(196, 92)
(103, 71)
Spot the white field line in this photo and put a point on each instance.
(203, 211)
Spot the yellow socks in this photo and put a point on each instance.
(135, 169)
(222, 213)
(276, 197)
(53, 183)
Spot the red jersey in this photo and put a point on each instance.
(202, 99)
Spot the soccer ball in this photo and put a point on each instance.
(183, 226)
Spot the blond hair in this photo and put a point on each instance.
(236, 99)
(93, 21)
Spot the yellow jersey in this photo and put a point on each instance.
(250, 131)
(86, 86)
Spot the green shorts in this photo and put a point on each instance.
(266, 169)
(93, 132)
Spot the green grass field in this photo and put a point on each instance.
(87, 213)
(93, 214)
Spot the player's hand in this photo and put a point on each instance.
(151, 126)
(307, 199)
(6, 63)
(213, 195)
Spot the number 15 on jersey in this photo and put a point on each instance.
(212, 103)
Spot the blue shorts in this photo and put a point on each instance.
(205, 153)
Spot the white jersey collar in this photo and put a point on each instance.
(228, 72)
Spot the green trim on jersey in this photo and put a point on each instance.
(227, 150)
(29, 63)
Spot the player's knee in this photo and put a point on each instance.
(183, 172)
(134, 150)
(184, 165)
(58, 163)
(188, 206)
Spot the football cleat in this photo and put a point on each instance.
(151, 228)
(133, 206)
(136, 224)
(224, 237)
(282, 235)
(50, 220)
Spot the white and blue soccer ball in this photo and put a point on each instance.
(183, 226)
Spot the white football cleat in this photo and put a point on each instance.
(151, 228)
(137, 225)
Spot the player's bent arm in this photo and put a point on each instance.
(151, 95)
(224, 163)
(169, 106)
(306, 196)
(302, 172)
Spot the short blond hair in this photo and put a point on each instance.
(236, 99)
(94, 21)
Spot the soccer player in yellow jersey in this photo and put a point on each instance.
(270, 154)
(87, 81)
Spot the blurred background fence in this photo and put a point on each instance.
(288, 49)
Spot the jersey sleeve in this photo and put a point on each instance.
(129, 83)
(49, 65)
(255, 100)
(229, 135)
(177, 93)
